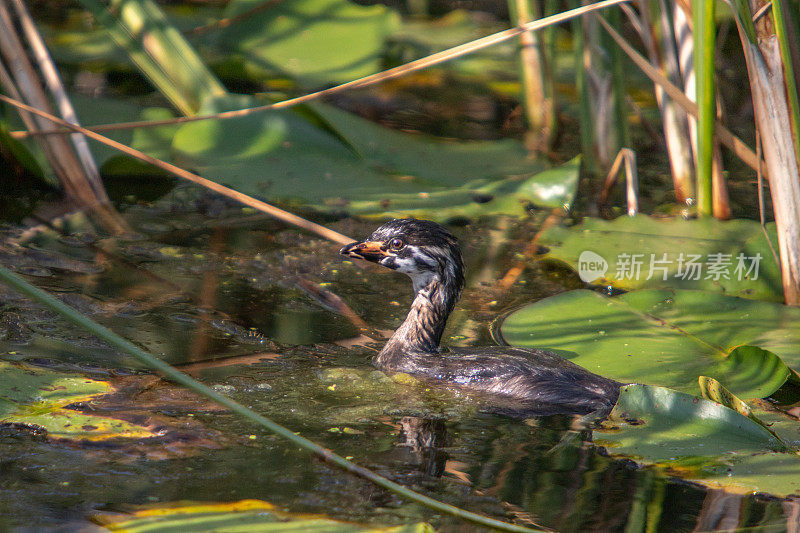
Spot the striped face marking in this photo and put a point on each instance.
(411, 260)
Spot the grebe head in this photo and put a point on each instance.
(424, 250)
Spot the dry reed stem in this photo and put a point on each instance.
(59, 93)
(726, 137)
(264, 207)
(20, 79)
(401, 70)
(628, 157)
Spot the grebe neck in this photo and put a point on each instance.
(423, 327)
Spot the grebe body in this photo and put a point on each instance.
(541, 381)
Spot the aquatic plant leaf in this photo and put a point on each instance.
(314, 41)
(37, 397)
(423, 159)
(244, 515)
(703, 441)
(420, 37)
(25, 385)
(771, 472)
(153, 141)
(511, 196)
(349, 164)
(456, 27)
(91, 48)
(647, 238)
(74, 425)
(661, 424)
(367, 169)
(159, 51)
(666, 337)
(714, 391)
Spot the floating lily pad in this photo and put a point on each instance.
(314, 41)
(768, 472)
(153, 141)
(418, 38)
(666, 337)
(663, 424)
(34, 396)
(367, 169)
(425, 160)
(664, 249)
(511, 196)
(93, 111)
(701, 440)
(349, 165)
(245, 515)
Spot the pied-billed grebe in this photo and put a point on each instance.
(430, 255)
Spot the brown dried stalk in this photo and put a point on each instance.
(264, 207)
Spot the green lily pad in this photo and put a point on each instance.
(313, 41)
(702, 440)
(37, 397)
(356, 166)
(92, 111)
(662, 424)
(153, 141)
(666, 337)
(768, 472)
(426, 160)
(417, 38)
(25, 385)
(245, 515)
(664, 247)
(339, 162)
(511, 196)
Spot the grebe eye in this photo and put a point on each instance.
(396, 244)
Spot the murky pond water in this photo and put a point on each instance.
(281, 323)
(246, 305)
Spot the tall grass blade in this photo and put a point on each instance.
(550, 8)
(618, 85)
(726, 137)
(601, 92)
(654, 27)
(704, 42)
(677, 32)
(532, 76)
(582, 89)
(159, 51)
(54, 84)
